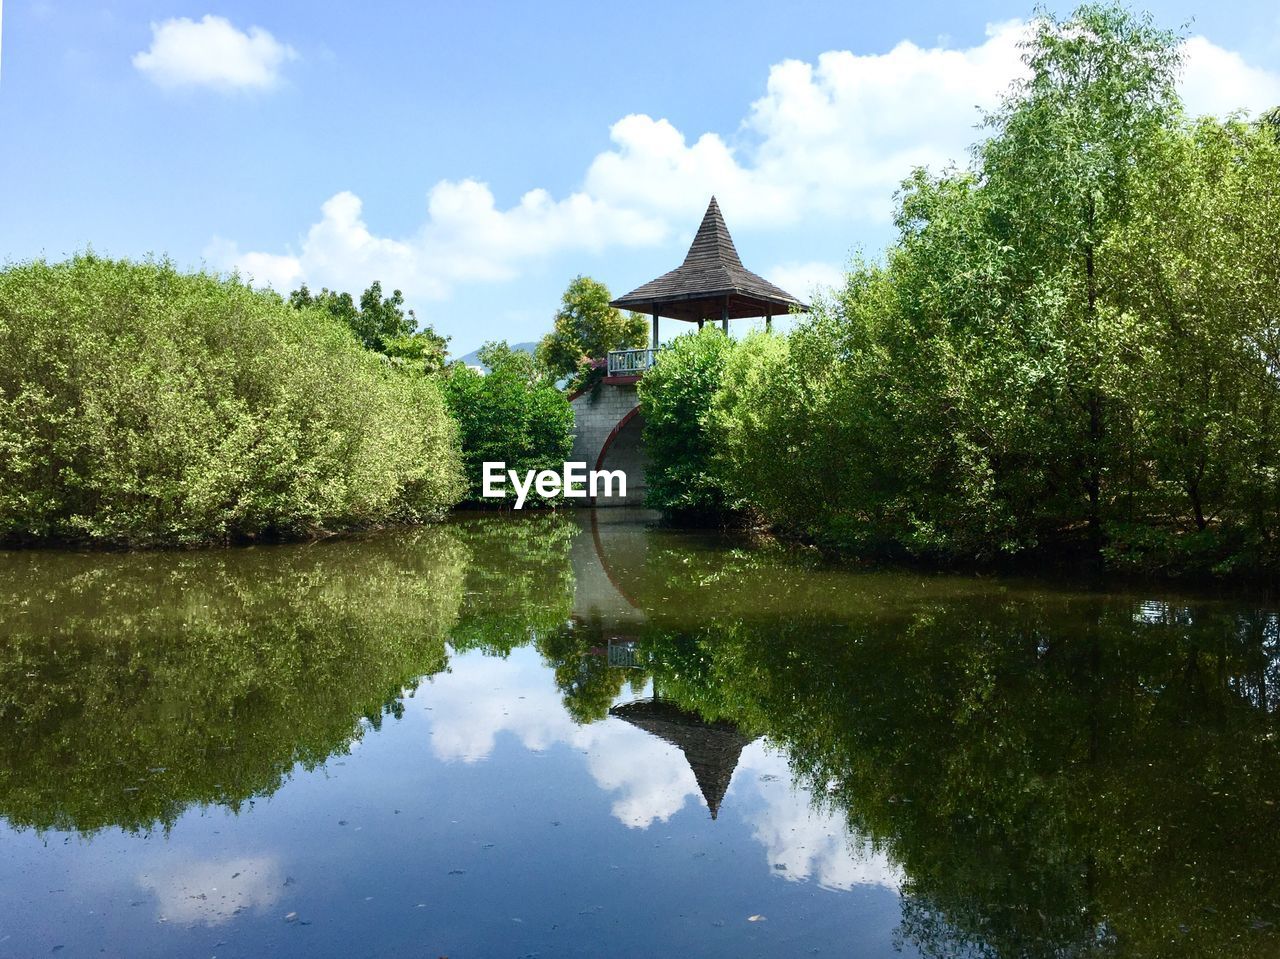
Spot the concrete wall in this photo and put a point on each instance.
(596, 413)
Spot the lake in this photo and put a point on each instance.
(585, 735)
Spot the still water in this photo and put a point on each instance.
(585, 736)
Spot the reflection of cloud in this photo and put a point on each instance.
(802, 842)
(213, 892)
(473, 704)
(653, 777)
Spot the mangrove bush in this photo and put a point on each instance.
(140, 406)
(512, 414)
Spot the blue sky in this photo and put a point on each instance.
(480, 155)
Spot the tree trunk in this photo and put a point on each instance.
(1093, 483)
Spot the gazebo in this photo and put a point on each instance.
(711, 284)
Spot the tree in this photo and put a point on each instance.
(1206, 393)
(1072, 344)
(425, 349)
(381, 324)
(587, 327)
(1270, 120)
(676, 397)
(1069, 143)
(512, 414)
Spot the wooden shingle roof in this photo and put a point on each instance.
(710, 279)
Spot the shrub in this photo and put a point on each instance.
(676, 399)
(512, 414)
(144, 406)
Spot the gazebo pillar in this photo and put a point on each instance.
(655, 329)
(724, 318)
(768, 322)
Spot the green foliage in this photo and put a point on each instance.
(143, 406)
(1072, 346)
(377, 322)
(380, 324)
(676, 402)
(587, 328)
(423, 350)
(512, 414)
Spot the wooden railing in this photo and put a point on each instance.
(630, 362)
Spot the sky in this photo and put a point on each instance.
(480, 155)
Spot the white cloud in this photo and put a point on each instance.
(279, 271)
(829, 141)
(211, 52)
(806, 280)
(465, 238)
(1217, 81)
(831, 138)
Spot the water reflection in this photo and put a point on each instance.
(213, 891)
(135, 685)
(1026, 771)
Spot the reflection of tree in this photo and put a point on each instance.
(132, 686)
(1054, 776)
(520, 580)
(577, 655)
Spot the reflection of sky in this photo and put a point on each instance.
(482, 822)
(482, 697)
(649, 780)
(801, 842)
(212, 891)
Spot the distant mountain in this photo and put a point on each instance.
(473, 358)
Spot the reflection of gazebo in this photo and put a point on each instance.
(711, 749)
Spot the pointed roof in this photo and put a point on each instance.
(710, 278)
(711, 749)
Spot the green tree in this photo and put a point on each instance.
(144, 406)
(587, 328)
(380, 323)
(512, 414)
(676, 397)
(1071, 345)
(1068, 146)
(1201, 478)
(424, 350)
(1269, 120)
